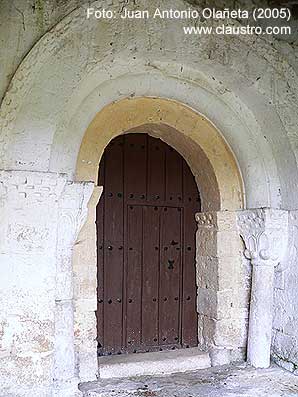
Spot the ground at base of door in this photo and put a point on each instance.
(223, 381)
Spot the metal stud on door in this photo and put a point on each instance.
(146, 247)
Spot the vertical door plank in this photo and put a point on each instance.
(150, 276)
(135, 166)
(189, 303)
(134, 277)
(113, 191)
(173, 177)
(169, 276)
(113, 247)
(100, 258)
(156, 170)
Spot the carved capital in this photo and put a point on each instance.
(265, 235)
(206, 219)
(73, 208)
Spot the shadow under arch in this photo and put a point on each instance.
(192, 135)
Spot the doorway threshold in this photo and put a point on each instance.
(157, 363)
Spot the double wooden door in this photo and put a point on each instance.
(146, 248)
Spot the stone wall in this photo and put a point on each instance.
(85, 294)
(246, 86)
(29, 208)
(22, 24)
(39, 225)
(223, 279)
(285, 324)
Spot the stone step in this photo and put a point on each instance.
(157, 363)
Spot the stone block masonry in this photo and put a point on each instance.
(34, 305)
(222, 297)
(240, 89)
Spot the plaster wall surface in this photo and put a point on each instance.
(285, 336)
(22, 24)
(28, 272)
(245, 86)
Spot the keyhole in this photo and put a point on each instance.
(170, 264)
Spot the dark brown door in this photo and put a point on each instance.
(146, 248)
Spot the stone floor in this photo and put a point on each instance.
(225, 381)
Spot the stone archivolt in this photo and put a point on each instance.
(31, 198)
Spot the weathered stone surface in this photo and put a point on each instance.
(265, 235)
(246, 87)
(35, 296)
(156, 363)
(214, 382)
(222, 295)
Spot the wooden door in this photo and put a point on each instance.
(146, 248)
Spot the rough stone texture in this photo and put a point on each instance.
(28, 271)
(195, 138)
(35, 309)
(192, 135)
(285, 335)
(246, 86)
(249, 98)
(215, 382)
(156, 363)
(222, 287)
(85, 294)
(265, 235)
(71, 216)
(22, 24)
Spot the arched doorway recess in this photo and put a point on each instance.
(222, 302)
(146, 248)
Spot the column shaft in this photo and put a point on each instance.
(260, 319)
